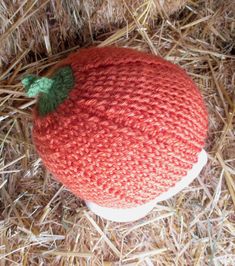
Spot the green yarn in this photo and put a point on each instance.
(35, 85)
(52, 91)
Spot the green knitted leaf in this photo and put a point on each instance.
(52, 91)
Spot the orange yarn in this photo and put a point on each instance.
(131, 128)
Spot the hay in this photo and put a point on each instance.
(48, 27)
(41, 223)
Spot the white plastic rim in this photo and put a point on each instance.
(133, 214)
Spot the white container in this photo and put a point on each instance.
(132, 214)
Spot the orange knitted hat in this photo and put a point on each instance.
(116, 126)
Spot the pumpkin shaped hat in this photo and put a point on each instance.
(118, 127)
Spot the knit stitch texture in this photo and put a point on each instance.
(131, 127)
